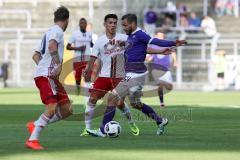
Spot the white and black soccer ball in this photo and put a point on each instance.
(112, 129)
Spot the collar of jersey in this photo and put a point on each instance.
(138, 29)
(58, 26)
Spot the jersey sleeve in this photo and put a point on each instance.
(56, 35)
(72, 39)
(39, 47)
(162, 43)
(143, 37)
(96, 49)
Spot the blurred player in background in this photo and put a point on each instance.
(81, 43)
(48, 57)
(220, 62)
(109, 49)
(161, 69)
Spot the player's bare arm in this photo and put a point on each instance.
(70, 47)
(36, 57)
(53, 49)
(180, 42)
(95, 70)
(157, 51)
(88, 69)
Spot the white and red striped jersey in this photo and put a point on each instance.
(111, 55)
(46, 64)
(79, 39)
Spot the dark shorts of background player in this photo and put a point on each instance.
(51, 91)
(220, 75)
(102, 85)
(78, 69)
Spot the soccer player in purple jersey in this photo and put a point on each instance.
(138, 42)
(161, 66)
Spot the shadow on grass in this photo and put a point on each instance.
(215, 129)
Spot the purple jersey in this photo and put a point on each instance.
(159, 61)
(136, 52)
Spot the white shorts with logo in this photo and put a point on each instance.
(131, 86)
(162, 76)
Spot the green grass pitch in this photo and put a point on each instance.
(203, 126)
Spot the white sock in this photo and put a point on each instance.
(87, 86)
(56, 117)
(126, 112)
(86, 100)
(89, 113)
(39, 125)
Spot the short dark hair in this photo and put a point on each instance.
(61, 14)
(130, 18)
(114, 16)
(83, 19)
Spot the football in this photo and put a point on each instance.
(112, 129)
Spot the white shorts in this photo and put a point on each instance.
(161, 76)
(131, 86)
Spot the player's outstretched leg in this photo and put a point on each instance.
(53, 113)
(124, 108)
(36, 128)
(147, 110)
(160, 95)
(89, 113)
(108, 116)
(165, 85)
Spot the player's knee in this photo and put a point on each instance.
(160, 87)
(120, 106)
(113, 99)
(93, 100)
(66, 110)
(51, 109)
(169, 87)
(137, 105)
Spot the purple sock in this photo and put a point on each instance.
(147, 110)
(108, 116)
(160, 95)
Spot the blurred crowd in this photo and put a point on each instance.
(179, 17)
(224, 7)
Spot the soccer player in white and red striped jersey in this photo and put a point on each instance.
(81, 42)
(109, 48)
(48, 57)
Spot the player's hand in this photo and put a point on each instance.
(180, 42)
(121, 43)
(175, 65)
(167, 51)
